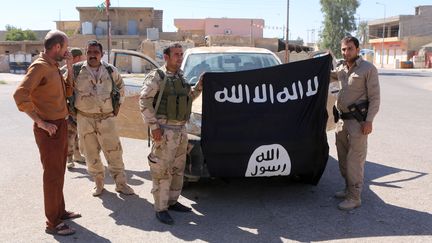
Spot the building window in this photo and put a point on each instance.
(216, 26)
(394, 31)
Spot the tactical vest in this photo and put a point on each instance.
(175, 104)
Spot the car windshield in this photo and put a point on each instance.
(224, 62)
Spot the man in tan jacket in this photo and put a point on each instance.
(357, 105)
(94, 83)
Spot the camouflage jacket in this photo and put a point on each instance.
(93, 94)
(148, 97)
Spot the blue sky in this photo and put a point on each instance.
(305, 15)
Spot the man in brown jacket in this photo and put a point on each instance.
(42, 96)
(357, 104)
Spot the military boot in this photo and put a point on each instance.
(349, 204)
(352, 198)
(99, 186)
(124, 189)
(121, 185)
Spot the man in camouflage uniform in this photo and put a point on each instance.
(95, 118)
(73, 153)
(165, 104)
(357, 104)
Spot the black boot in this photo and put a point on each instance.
(179, 208)
(164, 217)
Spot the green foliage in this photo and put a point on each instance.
(16, 34)
(70, 32)
(338, 22)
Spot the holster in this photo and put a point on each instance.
(336, 115)
(359, 111)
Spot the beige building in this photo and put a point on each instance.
(129, 26)
(397, 39)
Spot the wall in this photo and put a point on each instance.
(119, 17)
(222, 26)
(238, 27)
(419, 24)
(33, 47)
(154, 49)
(4, 64)
(69, 27)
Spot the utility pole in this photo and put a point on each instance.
(287, 36)
(251, 32)
(107, 3)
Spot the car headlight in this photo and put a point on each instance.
(193, 126)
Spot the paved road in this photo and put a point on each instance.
(397, 199)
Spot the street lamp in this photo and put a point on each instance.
(383, 35)
(286, 38)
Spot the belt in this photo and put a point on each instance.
(177, 128)
(96, 115)
(346, 116)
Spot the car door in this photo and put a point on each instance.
(133, 67)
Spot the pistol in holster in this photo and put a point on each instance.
(359, 111)
(336, 115)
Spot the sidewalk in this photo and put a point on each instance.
(405, 69)
(11, 77)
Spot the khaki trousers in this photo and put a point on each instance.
(53, 151)
(98, 134)
(167, 162)
(351, 147)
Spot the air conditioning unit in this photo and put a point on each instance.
(227, 32)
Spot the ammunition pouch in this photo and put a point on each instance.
(115, 99)
(359, 111)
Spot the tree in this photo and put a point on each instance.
(363, 33)
(338, 22)
(16, 34)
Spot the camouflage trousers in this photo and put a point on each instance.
(96, 134)
(351, 147)
(167, 161)
(73, 145)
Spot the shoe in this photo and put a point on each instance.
(340, 194)
(179, 208)
(124, 189)
(164, 217)
(349, 204)
(98, 189)
(70, 164)
(62, 229)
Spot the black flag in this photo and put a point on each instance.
(267, 122)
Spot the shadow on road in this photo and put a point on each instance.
(241, 211)
(108, 179)
(82, 234)
(275, 209)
